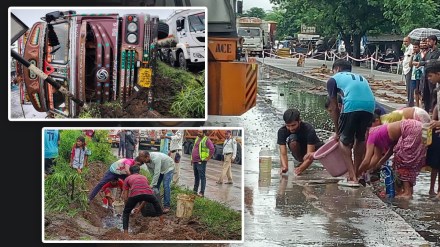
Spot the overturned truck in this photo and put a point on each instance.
(98, 57)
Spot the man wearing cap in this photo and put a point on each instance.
(301, 139)
(229, 154)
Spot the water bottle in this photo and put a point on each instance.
(265, 160)
(388, 175)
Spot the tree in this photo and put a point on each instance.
(255, 12)
(350, 18)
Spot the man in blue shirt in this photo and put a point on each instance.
(357, 114)
(51, 144)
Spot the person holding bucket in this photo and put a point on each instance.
(352, 121)
(301, 139)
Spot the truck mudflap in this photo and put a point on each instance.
(33, 54)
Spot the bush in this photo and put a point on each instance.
(64, 190)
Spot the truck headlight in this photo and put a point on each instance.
(132, 27)
(198, 55)
(132, 38)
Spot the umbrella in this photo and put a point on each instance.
(421, 33)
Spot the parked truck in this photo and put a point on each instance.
(185, 44)
(217, 137)
(250, 28)
(97, 57)
(149, 140)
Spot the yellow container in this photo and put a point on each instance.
(185, 205)
(426, 134)
(265, 164)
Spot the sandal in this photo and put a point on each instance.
(347, 183)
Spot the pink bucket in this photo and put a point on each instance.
(330, 157)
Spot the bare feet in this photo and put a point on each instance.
(404, 196)
(161, 220)
(432, 193)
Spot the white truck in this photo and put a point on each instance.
(250, 29)
(185, 44)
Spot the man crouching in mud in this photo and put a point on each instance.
(137, 189)
(301, 139)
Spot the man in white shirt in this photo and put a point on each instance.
(229, 154)
(407, 55)
(176, 143)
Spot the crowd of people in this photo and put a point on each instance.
(135, 190)
(367, 135)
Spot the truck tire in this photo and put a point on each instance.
(238, 158)
(190, 148)
(182, 61)
(186, 148)
(162, 30)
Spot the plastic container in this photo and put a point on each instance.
(387, 177)
(330, 157)
(265, 160)
(185, 205)
(426, 134)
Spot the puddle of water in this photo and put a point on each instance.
(112, 221)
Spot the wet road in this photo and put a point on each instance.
(314, 211)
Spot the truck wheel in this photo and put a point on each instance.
(186, 148)
(182, 61)
(162, 30)
(238, 158)
(171, 60)
(190, 148)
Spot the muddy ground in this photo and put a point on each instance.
(98, 223)
(137, 106)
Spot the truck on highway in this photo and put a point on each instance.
(250, 28)
(185, 44)
(149, 140)
(217, 137)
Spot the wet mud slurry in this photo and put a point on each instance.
(98, 223)
(137, 105)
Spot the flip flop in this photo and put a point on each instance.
(347, 183)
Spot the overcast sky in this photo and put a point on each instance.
(30, 16)
(264, 4)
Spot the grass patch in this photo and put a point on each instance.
(218, 218)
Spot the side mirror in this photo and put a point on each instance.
(240, 7)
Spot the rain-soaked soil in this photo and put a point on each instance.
(137, 106)
(98, 223)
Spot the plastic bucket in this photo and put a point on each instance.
(330, 157)
(185, 205)
(118, 207)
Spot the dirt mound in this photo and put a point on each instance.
(89, 225)
(164, 91)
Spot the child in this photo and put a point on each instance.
(79, 154)
(107, 190)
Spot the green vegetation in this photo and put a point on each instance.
(93, 111)
(218, 218)
(355, 18)
(190, 100)
(65, 190)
